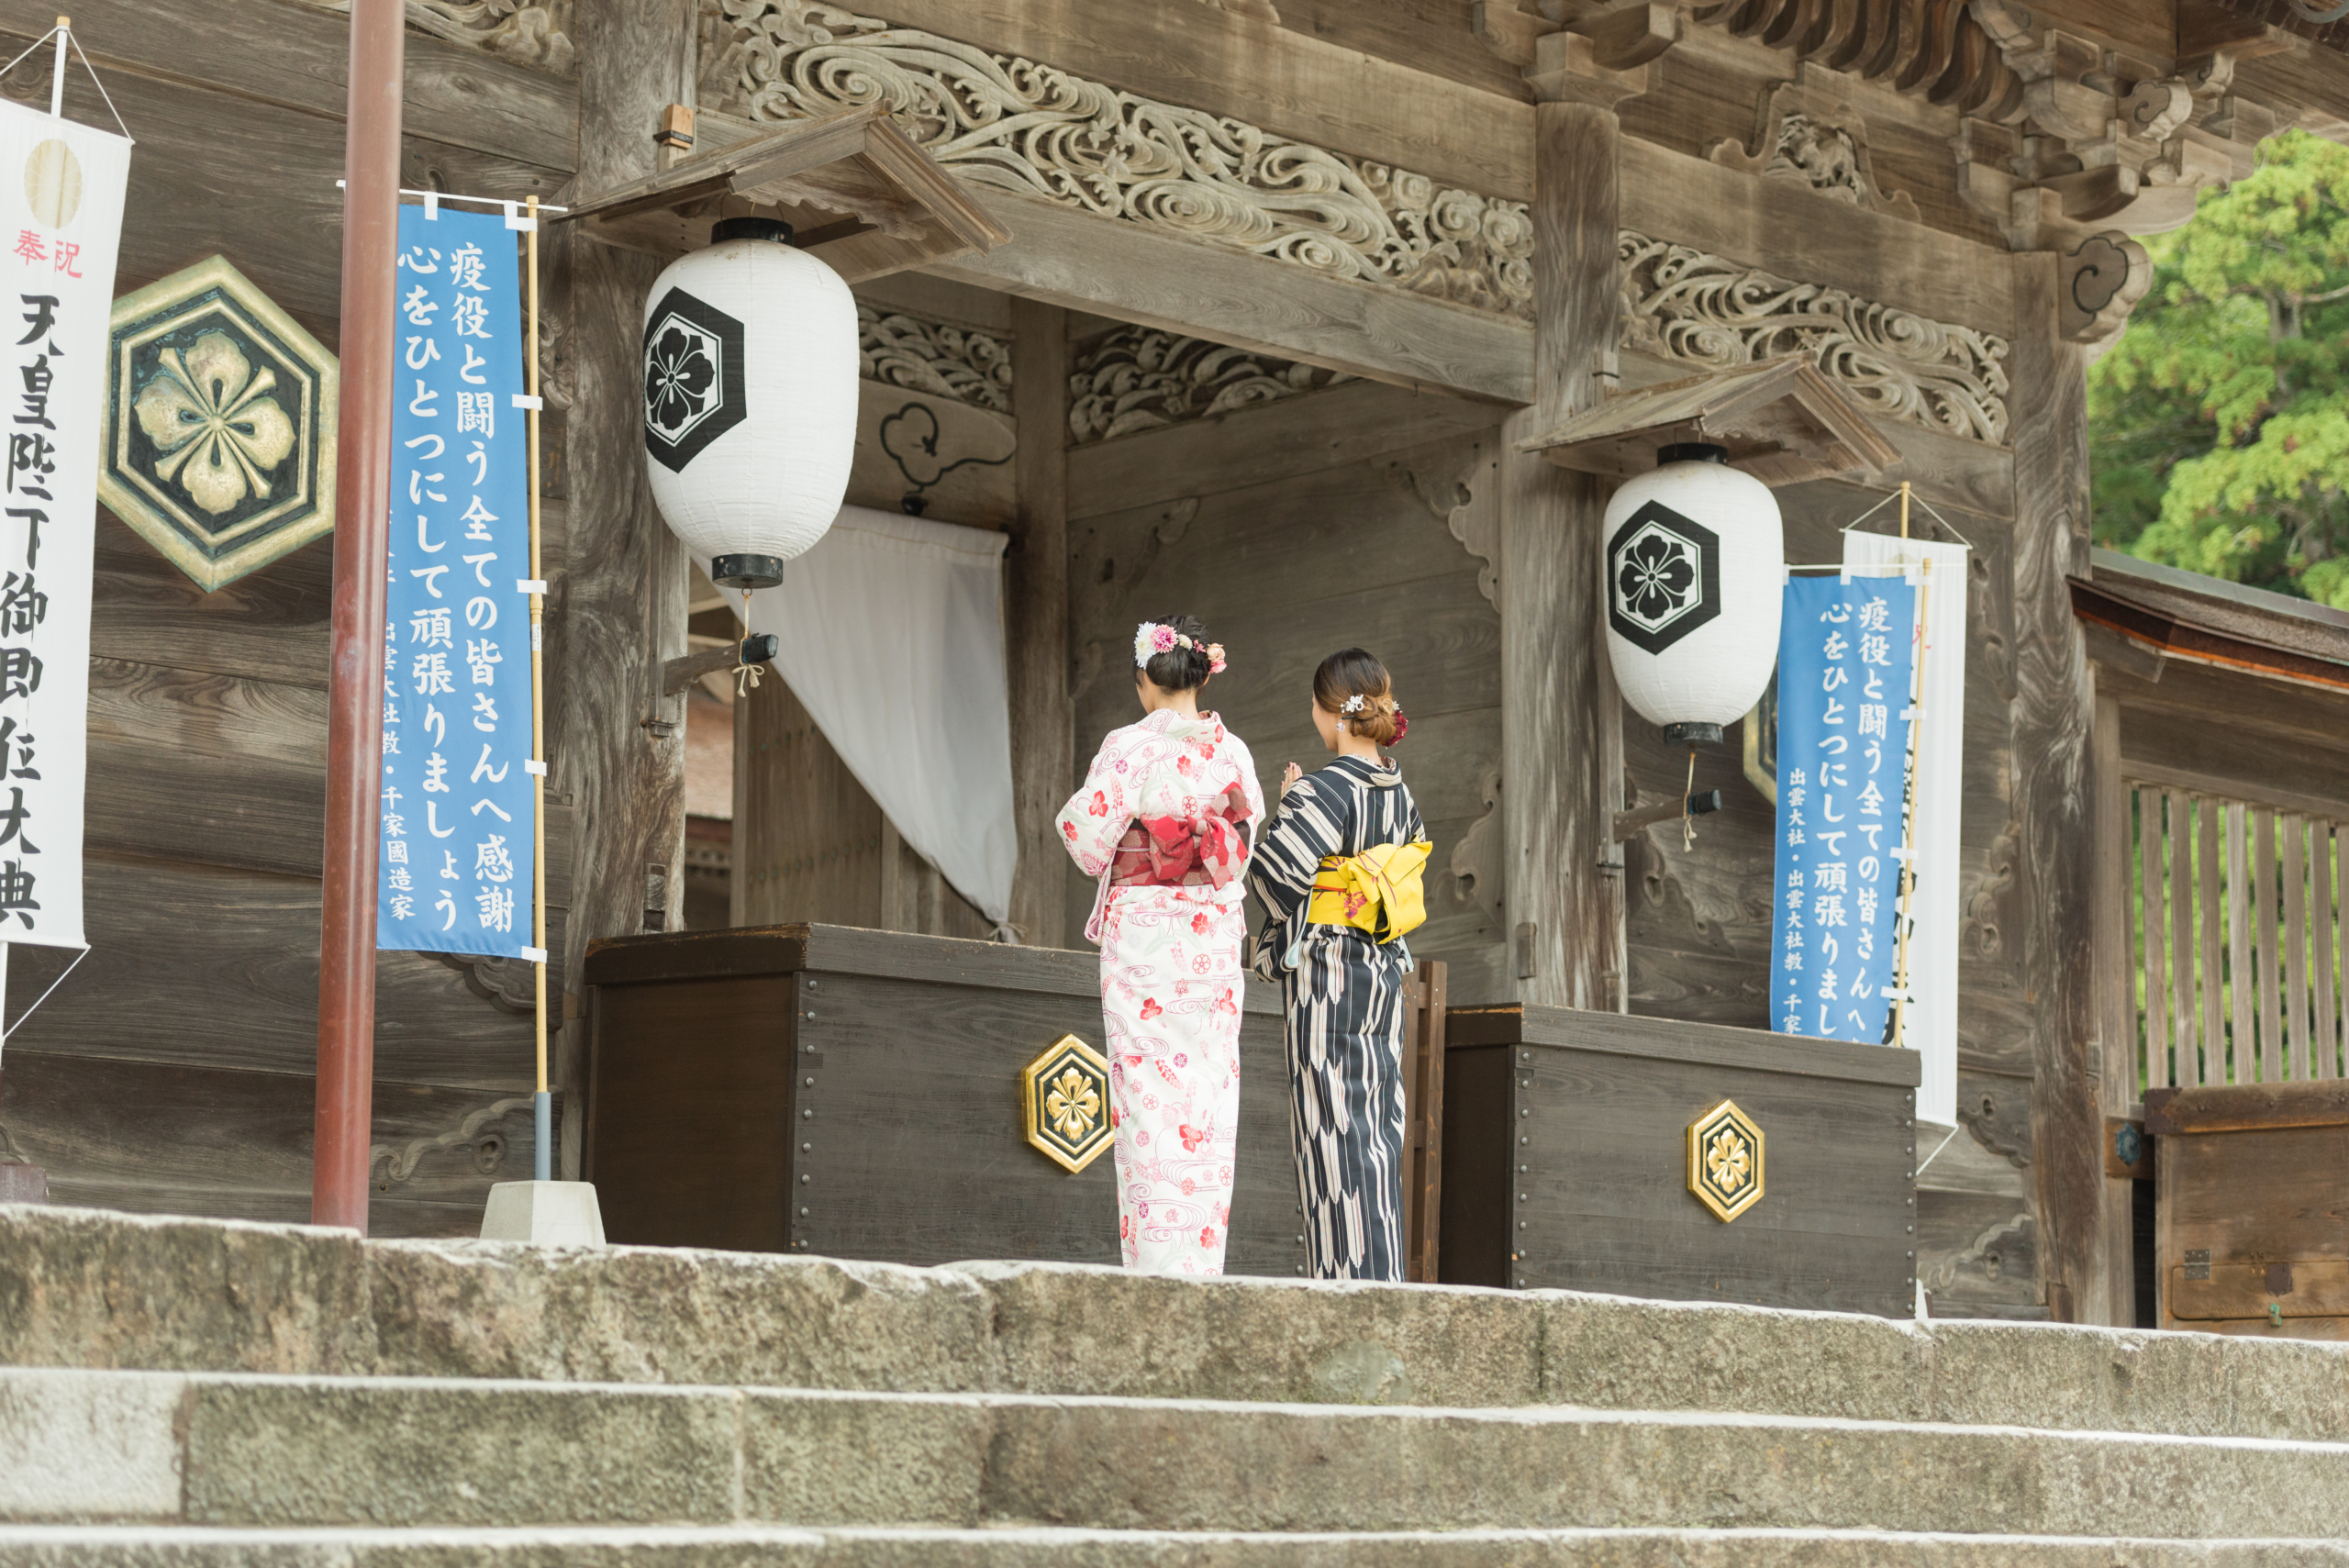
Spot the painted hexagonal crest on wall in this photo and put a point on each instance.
(1725, 1161)
(219, 446)
(1064, 1099)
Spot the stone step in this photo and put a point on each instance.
(775, 1546)
(86, 1288)
(239, 1449)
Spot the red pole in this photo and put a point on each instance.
(355, 713)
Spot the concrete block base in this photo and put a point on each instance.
(557, 1214)
(23, 1182)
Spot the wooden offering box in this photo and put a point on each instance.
(858, 1094)
(1567, 1160)
(2251, 1208)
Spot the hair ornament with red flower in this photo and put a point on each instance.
(1153, 637)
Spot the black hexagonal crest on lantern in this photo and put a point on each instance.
(693, 378)
(1663, 577)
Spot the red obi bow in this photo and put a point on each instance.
(1179, 849)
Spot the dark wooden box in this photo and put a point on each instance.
(1566, 1160)
(2251, 1208)
(856, 1095)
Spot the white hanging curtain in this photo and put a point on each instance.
(1932, 1022)
(890, 632)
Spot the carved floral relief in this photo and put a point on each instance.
(1139, 379)
(1684, 304)
(1022, 126)
(923, 354)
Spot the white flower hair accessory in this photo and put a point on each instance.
(1152, 639)
(1352, 704)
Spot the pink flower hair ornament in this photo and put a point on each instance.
(1151, 639)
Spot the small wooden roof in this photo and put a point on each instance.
(2141, 614)
(858, 193)
(1782, 421)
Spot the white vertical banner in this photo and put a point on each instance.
(61, 216)
(1929, 1022)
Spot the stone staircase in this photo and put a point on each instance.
(195, 1392)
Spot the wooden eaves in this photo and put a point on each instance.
(1782, 421)
(858, 193)
(2138, 616)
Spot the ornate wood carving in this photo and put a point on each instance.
(1807, 132)
(532, 32)
(2103, 278)
(2063, 139)
(1935, 48)
(1140, 379)
(1022, 126)
(926, 354)
(1698, 310)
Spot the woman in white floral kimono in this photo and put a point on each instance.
(1165, 820)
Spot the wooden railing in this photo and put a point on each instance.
(2236, 939)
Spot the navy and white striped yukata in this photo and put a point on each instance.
(1344, 1002)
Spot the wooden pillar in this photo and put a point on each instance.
(619, 607)
(1562, 733)
(1043, 740)
(2116, 1007)
(2055, 711)
(355, 712)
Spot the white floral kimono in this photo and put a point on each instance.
(1165, 821)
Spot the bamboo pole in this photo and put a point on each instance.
(541, 1100)
(1916, 790)
(363, 538)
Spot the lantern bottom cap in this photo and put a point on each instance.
(747, 571)
(1693, 734)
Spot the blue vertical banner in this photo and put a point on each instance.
(1846, 656)
(454, 868)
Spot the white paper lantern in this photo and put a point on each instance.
(1696, 566)
(750, 399)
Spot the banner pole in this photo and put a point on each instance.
(57, 77)
(542, 1101)
(1916, 794)
(362, 540)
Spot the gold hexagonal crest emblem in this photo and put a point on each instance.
(1065, 1095)
(1725, 1161)
(219, 442)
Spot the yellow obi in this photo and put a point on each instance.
(1377, 891)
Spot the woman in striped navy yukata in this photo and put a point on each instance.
(1343, 989)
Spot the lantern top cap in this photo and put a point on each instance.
(1691, 451)
(727, 229)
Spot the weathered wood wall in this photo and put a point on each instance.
(174, 1069)
(1294, 529)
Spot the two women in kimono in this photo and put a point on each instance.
(1166, 820)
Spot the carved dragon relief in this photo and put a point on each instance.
(530, 32)
(1686, 306)
(924, 354)
(1138, 378)
(1025, 127)
(1806, 132)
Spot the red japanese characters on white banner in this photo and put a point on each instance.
(61, 216)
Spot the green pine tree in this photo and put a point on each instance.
(2220, 421)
